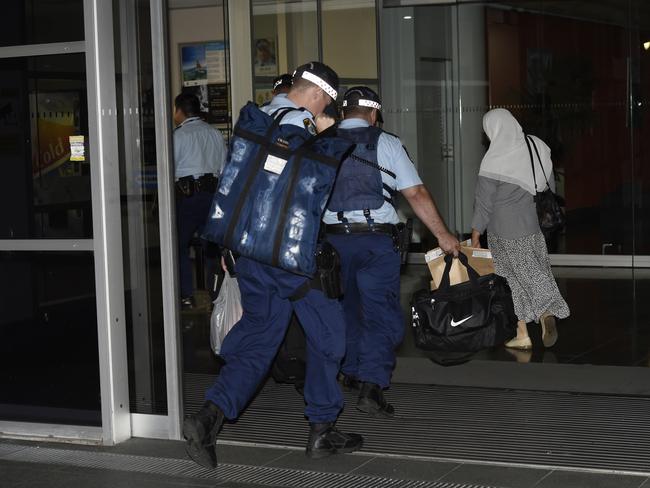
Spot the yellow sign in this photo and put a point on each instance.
(77, 148)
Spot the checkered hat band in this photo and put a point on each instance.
(365, 103)
(321, 83)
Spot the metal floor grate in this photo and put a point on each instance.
(473, 424)
(260, 475)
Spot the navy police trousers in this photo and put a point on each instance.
(370, 267)
(251, 345)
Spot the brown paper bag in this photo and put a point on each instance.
(479, 259)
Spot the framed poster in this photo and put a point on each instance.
(203, 63)
(266, 61)
(263, 95)
(204, 74)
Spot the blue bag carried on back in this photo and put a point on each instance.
(273, 190)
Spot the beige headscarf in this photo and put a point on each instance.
(507, 158)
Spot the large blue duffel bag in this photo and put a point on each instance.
(273, 190)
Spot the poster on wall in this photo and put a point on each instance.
(263, 95)
(204, 74)
(54, 117)
(213, 99)
(266, 61)
(203, 63)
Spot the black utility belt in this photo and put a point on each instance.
(189, 185)
(358, 228)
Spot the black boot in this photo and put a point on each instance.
(201, 431)
(349, 383)
(326, 439)
(372, 401)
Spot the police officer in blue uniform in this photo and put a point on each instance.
(361, 224)
(199, 155)
(269, 295)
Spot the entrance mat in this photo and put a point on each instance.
(541, 429)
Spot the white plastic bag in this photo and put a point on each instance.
(226, 312)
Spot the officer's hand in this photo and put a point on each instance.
(449, 244)
(323, 122)
(223, 264)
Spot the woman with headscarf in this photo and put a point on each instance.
(505, 207)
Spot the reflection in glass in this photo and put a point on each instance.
(48, 338)
(44, 192)
(41, 21)
(285, 35)
(570, 88)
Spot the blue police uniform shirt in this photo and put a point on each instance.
(302, 118)
(392, 156)
(198, 149)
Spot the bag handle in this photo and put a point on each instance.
(471, 272)
(532, 163)
(540, 162)
(277, 118)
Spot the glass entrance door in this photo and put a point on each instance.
(48, 317)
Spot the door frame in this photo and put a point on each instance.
(106, 243)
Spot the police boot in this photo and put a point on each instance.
(372, 401)
(349, 382)
(201, 431)
(326, 439)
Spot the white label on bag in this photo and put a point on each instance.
(275, 164)
(433, 254)
(482, 254)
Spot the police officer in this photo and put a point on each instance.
(361, 224)
(282, 85)
(199, 155)
(268, 297)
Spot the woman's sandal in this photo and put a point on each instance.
(549, 329)
(524, 344)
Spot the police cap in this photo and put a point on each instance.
(282, 81)
(362, 96)
(320, 75)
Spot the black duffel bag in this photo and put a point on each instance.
(464, 318)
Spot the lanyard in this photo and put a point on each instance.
(190, 119)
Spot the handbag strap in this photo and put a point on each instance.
(471, 272)
(529, 141)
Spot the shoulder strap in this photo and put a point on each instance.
(540, 161)
(373, 165)
(532, 161)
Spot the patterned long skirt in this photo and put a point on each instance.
(525, 264)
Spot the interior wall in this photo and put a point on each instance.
(186, 25)
(349, 42)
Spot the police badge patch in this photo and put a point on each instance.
(309, 125)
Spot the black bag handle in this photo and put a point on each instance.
(532, 161)
(471, 272)
(277, 118)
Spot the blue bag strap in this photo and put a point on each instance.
(300, 153)
(261, 155)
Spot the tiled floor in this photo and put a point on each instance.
(608, 325)
(401, 471)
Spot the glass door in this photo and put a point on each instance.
(49, 354)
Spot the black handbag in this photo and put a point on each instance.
(550, 211)
(466, 317)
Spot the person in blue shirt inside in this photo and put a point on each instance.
(360, 222)
(199, 156)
